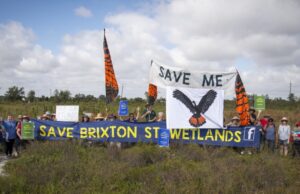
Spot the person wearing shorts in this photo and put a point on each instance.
(284, 132)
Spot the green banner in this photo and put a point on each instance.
(259, 103)
(27, 130)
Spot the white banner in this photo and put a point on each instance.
(67, 113)
(194, 108)
(163, 76)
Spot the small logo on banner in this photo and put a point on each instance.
(164, 138)
(249, 133)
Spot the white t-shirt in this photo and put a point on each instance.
(284, 132)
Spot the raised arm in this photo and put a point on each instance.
(137, 113)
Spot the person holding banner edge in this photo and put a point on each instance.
(10, 130)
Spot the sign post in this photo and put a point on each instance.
(259, 103)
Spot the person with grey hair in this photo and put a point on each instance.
(161, 117)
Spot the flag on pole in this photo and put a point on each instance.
(152, 93)
(111, 84)
(242, 103)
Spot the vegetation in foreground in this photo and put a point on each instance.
(70, 167)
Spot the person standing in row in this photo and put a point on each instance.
(270, 132)
(149, 114)
(11, 134)
(296, 139)
(284, 132)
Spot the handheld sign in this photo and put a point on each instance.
(259, 103)
(123, 108)
(164, 137)
(27, 130)
(67, 113)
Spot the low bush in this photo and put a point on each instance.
(70, 167)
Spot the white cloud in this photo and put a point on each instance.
(203, 35)
(83, 12)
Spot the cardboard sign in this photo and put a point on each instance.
(67, 113)
(27, 130)
(259, 103)
(123, 108)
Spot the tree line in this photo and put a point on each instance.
(16, 93)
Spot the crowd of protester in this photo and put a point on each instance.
(271, 136)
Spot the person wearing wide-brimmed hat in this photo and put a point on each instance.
(270, 134)
(235, 122)
(25, 118)
(19, 141)
(99, 117)
(284, 132)
(45, 117)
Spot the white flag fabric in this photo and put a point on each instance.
(164, 76)
(194, 108)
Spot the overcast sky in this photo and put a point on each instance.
(47, 45)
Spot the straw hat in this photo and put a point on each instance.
(44, 116)
(235, 118)
(19, 116)
(25, 117)
(99, 116)
(284, 119)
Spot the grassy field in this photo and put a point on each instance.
(68, 167)
(73, 167)
(277, 109)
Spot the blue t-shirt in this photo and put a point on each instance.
(270, 133)
(10, 128)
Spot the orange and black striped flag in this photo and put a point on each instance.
(111, 84)
(242, 103)
(152, 93)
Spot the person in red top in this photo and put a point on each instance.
(263, 123)
(18, 139)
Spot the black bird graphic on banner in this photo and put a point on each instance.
(207, 100)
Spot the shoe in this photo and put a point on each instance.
(242, 152)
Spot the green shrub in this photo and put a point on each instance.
(70, 167)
